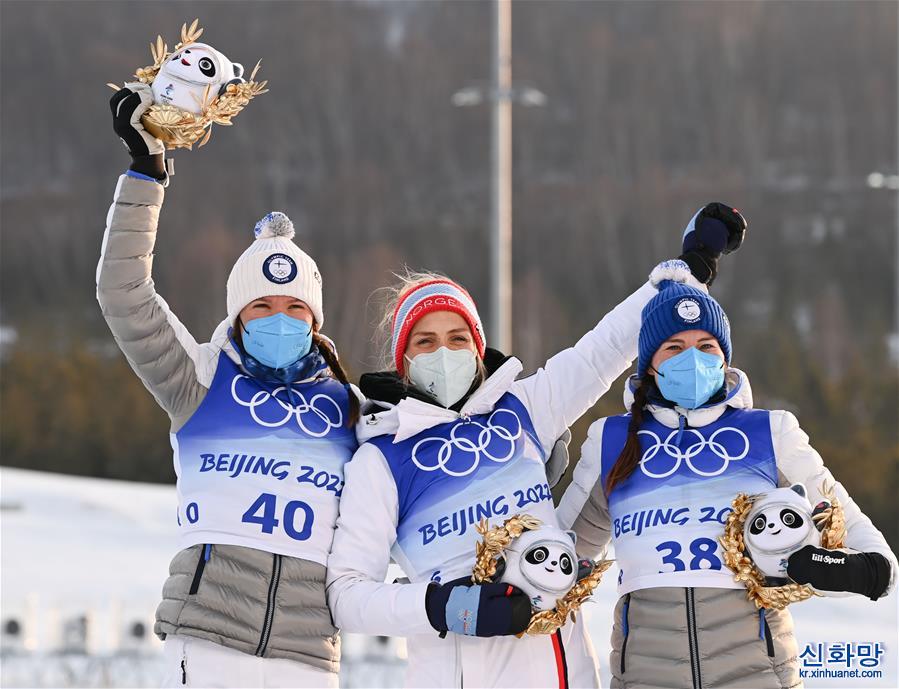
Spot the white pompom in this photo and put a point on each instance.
(675, 270)
(275, 224)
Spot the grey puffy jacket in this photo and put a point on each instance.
(254, 601)
(676, 637)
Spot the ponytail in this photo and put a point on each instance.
(631, 453)
(326, 349)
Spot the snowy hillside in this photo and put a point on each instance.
(71, 545)
(74, 547)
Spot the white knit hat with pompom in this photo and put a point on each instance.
(274, 266)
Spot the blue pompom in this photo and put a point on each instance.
(274, 224)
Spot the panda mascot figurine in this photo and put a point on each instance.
(780, 523)
(185, 76)
(542, 563)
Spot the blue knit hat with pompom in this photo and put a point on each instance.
(678, 307)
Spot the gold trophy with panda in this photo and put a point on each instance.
(194, 87)
(541, 561)
(762, 532)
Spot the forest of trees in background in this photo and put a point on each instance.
(653, 109)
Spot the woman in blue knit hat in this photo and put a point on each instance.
(658, 483)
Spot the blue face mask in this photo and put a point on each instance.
(277, 341)
(690, 378)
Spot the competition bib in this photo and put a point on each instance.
(451, 476)
(261, 466)
(668, 514)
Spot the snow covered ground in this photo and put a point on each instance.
(83, 562)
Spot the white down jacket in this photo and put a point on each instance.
(424, 476)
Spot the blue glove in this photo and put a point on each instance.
(715, 230)
(477, 609)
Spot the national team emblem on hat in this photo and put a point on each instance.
(688, 310)
(279, 268)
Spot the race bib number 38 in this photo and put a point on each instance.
(668, 514)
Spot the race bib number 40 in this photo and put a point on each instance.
(262, 466)
(263, 511)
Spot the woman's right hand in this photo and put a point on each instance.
(147, 152)
(477, 609)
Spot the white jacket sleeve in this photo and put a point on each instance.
(798, 462)
(360, 601)
(583, 507)
(573, 380)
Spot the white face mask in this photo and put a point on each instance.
(446, 374)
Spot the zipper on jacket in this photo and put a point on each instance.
(765, 633)
(205, 554)
(693, 639)
(681, 425)
(624, 628)
(270, 605)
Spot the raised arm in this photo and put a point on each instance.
(573, 380)
(158, 347)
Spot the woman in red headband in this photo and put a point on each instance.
(456, 437)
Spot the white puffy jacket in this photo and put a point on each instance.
(426, 475)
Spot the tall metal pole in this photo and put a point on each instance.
(500, 332)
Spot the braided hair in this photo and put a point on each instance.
(328, 353)
(631, 453)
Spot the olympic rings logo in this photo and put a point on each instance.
(316, 417)
(455, 445)
(687, 455)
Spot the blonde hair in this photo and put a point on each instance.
(387, 299)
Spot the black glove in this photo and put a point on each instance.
(477, 609)
(715, 230)
(834, 570)
(147, 152)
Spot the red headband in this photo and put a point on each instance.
(435, 295)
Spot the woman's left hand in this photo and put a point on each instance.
(715, 230)
(835, 570)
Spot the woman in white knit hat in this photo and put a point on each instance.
(457, 437)
(262, 422)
